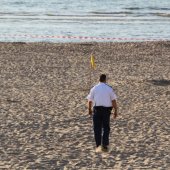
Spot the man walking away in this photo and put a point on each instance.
(103, 99)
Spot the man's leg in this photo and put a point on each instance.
(106, 128)
(97, 123)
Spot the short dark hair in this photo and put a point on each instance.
(102, 78)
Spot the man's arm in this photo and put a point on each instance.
(114, 105)
(90, 98)
(90, 107)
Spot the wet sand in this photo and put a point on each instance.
(44, 122)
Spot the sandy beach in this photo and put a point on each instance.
(44, 122)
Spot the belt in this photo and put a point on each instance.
(102, 108)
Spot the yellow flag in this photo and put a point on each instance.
(93, 65)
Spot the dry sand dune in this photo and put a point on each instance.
(43, 114)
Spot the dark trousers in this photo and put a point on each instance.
(101, 124)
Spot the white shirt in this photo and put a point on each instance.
(102, 95)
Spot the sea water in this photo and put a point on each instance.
(149, 19)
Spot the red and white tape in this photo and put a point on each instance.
(80, 37)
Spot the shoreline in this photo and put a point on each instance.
(44, 119)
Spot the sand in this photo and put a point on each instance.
(44, 122)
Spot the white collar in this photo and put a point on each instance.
(101, 83)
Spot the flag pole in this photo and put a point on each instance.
(93, 66)
(90, 71)
(90, 78)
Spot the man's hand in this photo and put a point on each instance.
(89, 107)
(90, 112)
(114, 104)
(114, 115)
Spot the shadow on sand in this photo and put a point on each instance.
(161, 82)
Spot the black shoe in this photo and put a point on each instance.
(104, 148)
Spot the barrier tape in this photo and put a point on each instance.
(80, 37)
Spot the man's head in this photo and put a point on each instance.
(102, 78)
